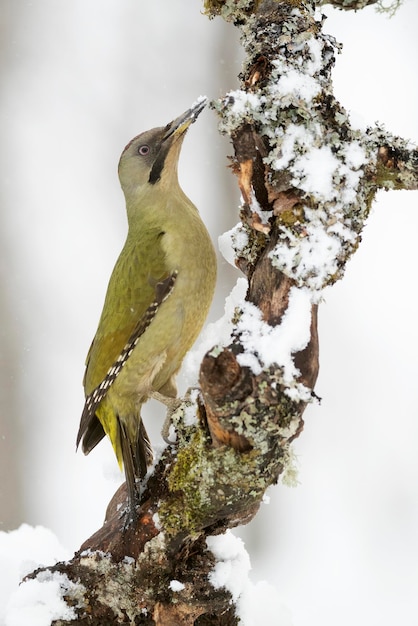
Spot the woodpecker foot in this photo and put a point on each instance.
(172, 405)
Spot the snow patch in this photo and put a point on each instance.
(264, 344)
(40, 601)
(218, 333)
(22, 551)
(232, 242)
(261, 604)
(314, 172)
(297, 84)
(255, 603)
(232, 563)
(176, 585)
(190, 416)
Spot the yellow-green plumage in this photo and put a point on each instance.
(167, 250)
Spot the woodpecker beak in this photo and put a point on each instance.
(171, 141)
(182, 123)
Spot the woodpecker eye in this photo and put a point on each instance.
(143, 150)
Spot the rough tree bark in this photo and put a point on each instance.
(307, 180)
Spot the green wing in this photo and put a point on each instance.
(131, 291)
(140, 282)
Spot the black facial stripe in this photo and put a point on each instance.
(158, 165)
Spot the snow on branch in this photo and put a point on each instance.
(320, 173)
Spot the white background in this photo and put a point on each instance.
(80, 79)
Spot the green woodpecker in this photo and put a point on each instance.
(156, 303)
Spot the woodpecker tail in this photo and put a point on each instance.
(137, 456)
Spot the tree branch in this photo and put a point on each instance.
(307, 179)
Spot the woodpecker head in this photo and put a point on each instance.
(151, 158)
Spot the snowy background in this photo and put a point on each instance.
(79, 80)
